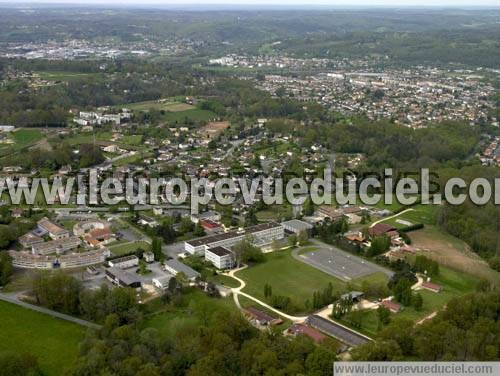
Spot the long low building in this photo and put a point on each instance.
(260, 234)
(76, 260)
(56, 246)
(27, 260)
(343, 334)
(123, 278)
(175, 267)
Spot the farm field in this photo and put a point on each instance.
(168, 104)
(451, 252)
(64, 76)
(22, 138)
(53, 341)
(191, 114)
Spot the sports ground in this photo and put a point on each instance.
(338, 263)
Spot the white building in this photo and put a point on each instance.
(296, 226)
(259, 235)
(162, 282)
(208, 215)
(58, 246)
(220, 257)
(124, 262)
(175, 267)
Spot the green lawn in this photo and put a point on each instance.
(194, 309)
(378, 277)
(22, 137)
(88, 138)
(53, 341)
(194, 114)
(125, 248)
(65, 76)
(425, 214)
(288, 277)
(224, 280)
(133, 140)
(129, 160)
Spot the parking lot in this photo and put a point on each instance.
(338, 263)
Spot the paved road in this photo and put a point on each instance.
(237, 291)
(14, 299)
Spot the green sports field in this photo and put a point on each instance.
(288, 277)
(53, 341)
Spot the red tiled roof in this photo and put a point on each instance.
(380, 229)
(312, 333)
(205, 223)
(258, 314)
(393, 307)
(99, 233)
(431, 286)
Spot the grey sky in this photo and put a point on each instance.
(389, 3)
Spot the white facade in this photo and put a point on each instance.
(260, 235)
(124, 262)
(221, 258)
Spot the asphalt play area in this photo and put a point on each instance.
(338, 263)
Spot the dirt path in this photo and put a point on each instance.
(391, 217)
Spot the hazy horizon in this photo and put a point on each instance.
(267, 3)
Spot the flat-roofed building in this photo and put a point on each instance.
(123, 278)
(28, 240)
(175, 267)
(58, 246)
(336, 330)
(124, 262)
(260, 234)
(162, 282)
(76, 260)
(220, 257)
(27, 260)
(296, 226)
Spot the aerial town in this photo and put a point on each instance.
(113, 281)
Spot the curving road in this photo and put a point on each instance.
(391, 217)
(237, 291)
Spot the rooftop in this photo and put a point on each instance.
(181, 267)
(231, 234)
(50, 226)
(220, 251)
(298, 225)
